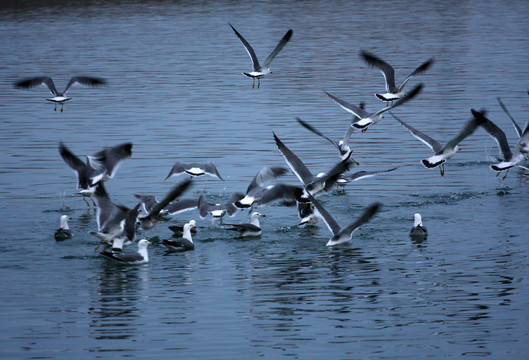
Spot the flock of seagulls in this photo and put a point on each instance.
(118, 225)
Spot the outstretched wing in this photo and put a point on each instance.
(278, 48)
(84, 80)
(296, 165)
(32, 82)
(249, 50)
(428, 141)
(386, 69)
(495, 132)
(422, 68)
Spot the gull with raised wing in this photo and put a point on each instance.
(194, 169)
(366, 119)
(341, 235)
(58, 97)
(258, 70)
(392, 91)
(442, 153)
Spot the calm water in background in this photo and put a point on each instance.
(176, 91)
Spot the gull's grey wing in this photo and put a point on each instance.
(365, 174)
(467, 130)
(180, 206)
(265, 175)
(171, 195)
(421, 69)
(177, 169)
(386, 69)
(249, 49)
(327, 218)
(231, 209)
(148, 202)
(428, 141)
(109, 160)
(287, 194)
(416, 90)
(494, 131)
(296, 165)
(516, 126)
(84, 80)
(123, 257)
(211, 169)
(368, 213)
(243, 227)
(83, 172)
(203, 206)
(278, 48)
(109, 215)
(36, 81)
(350, 108)
(334, 174)
(311, 128)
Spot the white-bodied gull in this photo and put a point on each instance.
(134, 258)
(442, 153)
(185, 242)
(341, 235)
(58, 97)
(258, 70)
(64, 231)
(524, 147)
(507, 158)
(110, 217)
(218, 211)
(251, 229)
(366, 119)
(392, 91)
(359, 175)
(194, 169)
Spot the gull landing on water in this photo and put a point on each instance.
(392, 91)
(364, 118)
(58, 97)
(508, 159)
(258, 70)
(442, 153)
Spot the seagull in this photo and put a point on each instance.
(148, 221)
(258, 70)
(392, 92)
(185, 242)
(257, 187)
(367, 119)
(128, 235)
(342, 146)
(218, 210)
(341, 235)
(110, 217)
(508, 159)
(418, 230)
(442, 153)
(313, 184)
(194, 169)
(173, 208)
(63, 232)
(140, 257)
(252, 229)
(359, 175)
(58, 98)
(99, 166)
(524, 147)
(307, 214)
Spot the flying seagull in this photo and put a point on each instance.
(442, 153)
(258, 70)
(194, 169)
(524, 147)
(218, 211)
(341, 235)
(257, 186)
(58, 97)
(392, 91)
(366, 119)
(507, 158)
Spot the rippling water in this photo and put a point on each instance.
(176, 91)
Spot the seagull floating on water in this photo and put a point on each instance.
(392, 91)
(58, 97)
(418, 230)
(63, 232)
(258, 70)
(140, 257)
(185, 242)
(341, 235)
(252, 229)
(442, 153)
(194, 169)
(508, 159)
(366, 119)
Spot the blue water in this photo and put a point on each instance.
(175, 90)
